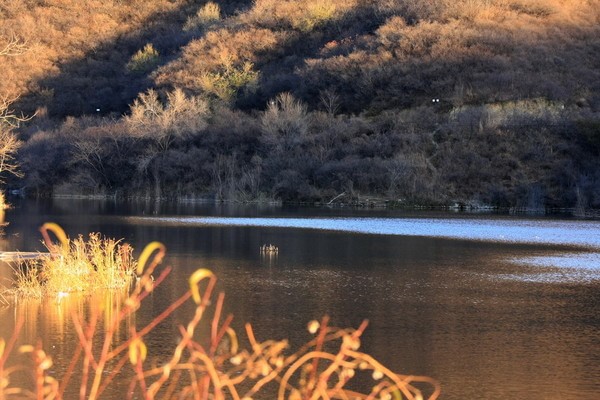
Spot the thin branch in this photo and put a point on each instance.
(10, 117)
(9, 145)
(14, 47)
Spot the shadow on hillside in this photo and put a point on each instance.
(100, 82)
(280, 73)
(346, 57)
(371, 77)
(345, 60)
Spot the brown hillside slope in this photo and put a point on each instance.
(379, 55)
(421, 101)
(373, 55)
(78, 50)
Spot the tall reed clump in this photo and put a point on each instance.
(216, 367)
(77, 265)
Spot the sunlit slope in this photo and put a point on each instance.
(78, 50)
(378, 55)
(352, 55)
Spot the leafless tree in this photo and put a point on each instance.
(285, 122)
(180, 116)
(163, 123)
(9, 144)
(330, 101)
(9, 119)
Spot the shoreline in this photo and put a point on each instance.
(368, 203)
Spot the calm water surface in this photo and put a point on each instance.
(491, 306)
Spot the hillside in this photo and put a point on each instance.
(492, 102)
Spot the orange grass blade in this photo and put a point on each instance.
(58, 231)
(147, 252)
(215, 323)
(195, 279)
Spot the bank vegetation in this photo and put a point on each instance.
(480, 102)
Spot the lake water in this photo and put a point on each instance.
(491, 306)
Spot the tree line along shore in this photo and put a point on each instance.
(479, 103)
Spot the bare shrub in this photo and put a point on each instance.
(221, 63)
(330, 101)
(510, 114)
(206, 16)
(226, 83)
(303, 16)
(390, 33)
(13, 46)
(179, 116)
(413, 11)
(316, 14)
(534, 8)
(409, 176)
(144, 60)
(285, 121)
(162, 124)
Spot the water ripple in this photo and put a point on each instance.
(573, 233)
(574, 266)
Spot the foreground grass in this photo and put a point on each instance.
(218, 367)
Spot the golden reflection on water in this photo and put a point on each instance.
(51, 320)
(473, 315)
(51, 323)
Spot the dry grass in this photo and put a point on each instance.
(303, 16)
(219, 368)
(77, 265)
(59, 31)
(221, 62)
